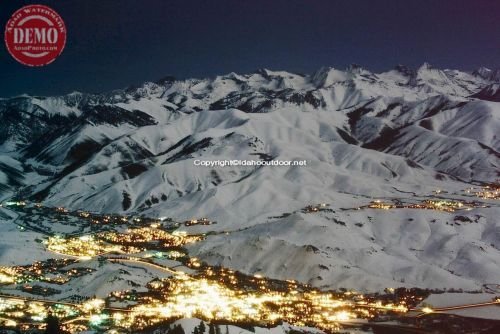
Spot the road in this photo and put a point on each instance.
(142, 262)
(421, 312)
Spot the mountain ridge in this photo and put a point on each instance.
(399, 134)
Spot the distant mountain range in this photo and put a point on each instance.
(364, 135)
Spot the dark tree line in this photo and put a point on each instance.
(177, 329)
(53, 326)
(212, 329)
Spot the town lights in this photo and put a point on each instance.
(93, 305)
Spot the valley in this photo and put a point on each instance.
(108, 220)
(181, 286)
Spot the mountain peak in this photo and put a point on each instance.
(405, 70)
(425, 66)
(355, 68)
(276, 73)
(265, 72)
(483, 70)
(326, 76)
(487, 74)
(165, 79)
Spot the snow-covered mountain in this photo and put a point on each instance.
(364, 135)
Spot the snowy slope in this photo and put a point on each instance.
(364, 135)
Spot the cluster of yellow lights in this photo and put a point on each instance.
(93, 305)
(85, 246)
(201, 221)
(435, 204)
(378, 204)
(185, 296)
(112, 242)
(148, 234)
(7, 275)
(88, 246)
(445, 205)
(191, 297)
(315, 207)
(486, 192)
(38, 271)
(17, 312)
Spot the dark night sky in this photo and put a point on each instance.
(113, 44)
